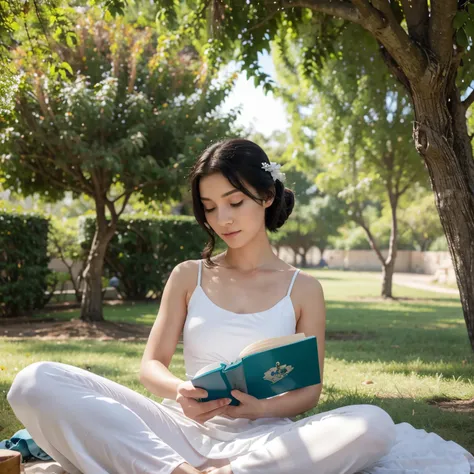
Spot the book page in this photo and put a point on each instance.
(266, 344)
(207, 368)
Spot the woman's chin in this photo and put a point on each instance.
(234, 241)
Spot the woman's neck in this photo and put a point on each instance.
(252, 257)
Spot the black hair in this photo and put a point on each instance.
(240, 160)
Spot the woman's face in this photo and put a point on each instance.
(234, 217)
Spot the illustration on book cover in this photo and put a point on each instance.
(277, 373)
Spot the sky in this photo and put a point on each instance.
(264, 113)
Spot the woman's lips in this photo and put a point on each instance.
(232, 234)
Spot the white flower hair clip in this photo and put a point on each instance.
(274, 169)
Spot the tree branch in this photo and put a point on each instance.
(360, 220)
(136, 188)
(124, 205)
(441, 29)
(341, 8)
(378, 18)
(467, 102)
(417, 17)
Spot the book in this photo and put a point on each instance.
(264, 369)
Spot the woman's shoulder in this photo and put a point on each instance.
(185, 270)
(306, 284)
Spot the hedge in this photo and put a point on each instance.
(145, 250)
(23, 263)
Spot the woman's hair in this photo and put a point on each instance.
(240, 161)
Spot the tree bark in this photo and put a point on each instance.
(91, 304)
(389, 264)
(442, 139)
(303, 253)
(387, 278)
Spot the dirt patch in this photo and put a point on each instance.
(347, 335)
(458, 405)
(50, 328)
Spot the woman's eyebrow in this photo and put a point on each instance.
(228, 193)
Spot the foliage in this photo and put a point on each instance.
(145, 249)
(23, 263)
(40, 26)
(118, 124)
(63, 244)
(311, 225)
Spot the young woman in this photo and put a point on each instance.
(221, 304)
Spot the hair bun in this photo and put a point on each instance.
(286, 208)
(282, 207)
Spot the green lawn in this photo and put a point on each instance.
(413, 350)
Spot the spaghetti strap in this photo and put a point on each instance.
(292, 282)
(199, 273)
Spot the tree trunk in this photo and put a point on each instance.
(387, 278)
(441, 137)
(91, 305)
(304, 263)
(389, 265)
(321, 252)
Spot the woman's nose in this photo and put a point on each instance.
(224, 217)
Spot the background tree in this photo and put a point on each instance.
(358, 122)
(38, 24)
(139, 107)
(419, 221)
(311, 225)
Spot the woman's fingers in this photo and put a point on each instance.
(206, 407)
(211, 414)
(188, 390)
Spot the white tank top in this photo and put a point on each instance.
(214, 334)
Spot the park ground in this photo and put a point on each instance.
(411, 356)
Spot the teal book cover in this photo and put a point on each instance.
(265, 373)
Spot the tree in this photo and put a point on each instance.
(426, 45)
(311, 225)
(358, 129)
(139, 106)
(418, 216)
(38, 24)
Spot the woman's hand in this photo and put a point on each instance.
(199, 411)
(250, 407)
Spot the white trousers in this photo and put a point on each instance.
(92, 425)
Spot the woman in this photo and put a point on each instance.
(221, 304)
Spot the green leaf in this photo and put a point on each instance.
(70, 40)
(461, 38)
(469, 28)
(470, 9)
(68, 67)
(460, 19)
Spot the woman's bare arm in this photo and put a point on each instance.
(164, 335)
(312, 322)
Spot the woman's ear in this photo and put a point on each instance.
(268, 201)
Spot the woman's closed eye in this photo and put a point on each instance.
(234, 204)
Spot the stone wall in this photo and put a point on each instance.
(407, 261)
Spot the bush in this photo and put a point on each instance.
(23, 263)
(440, 244)
(63, 244)
(145, 250)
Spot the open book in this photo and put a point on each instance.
(264, 369)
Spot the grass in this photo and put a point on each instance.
(413, 350)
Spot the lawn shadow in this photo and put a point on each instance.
(430, 340)
(457, 427)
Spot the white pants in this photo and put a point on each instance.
(92, 425)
